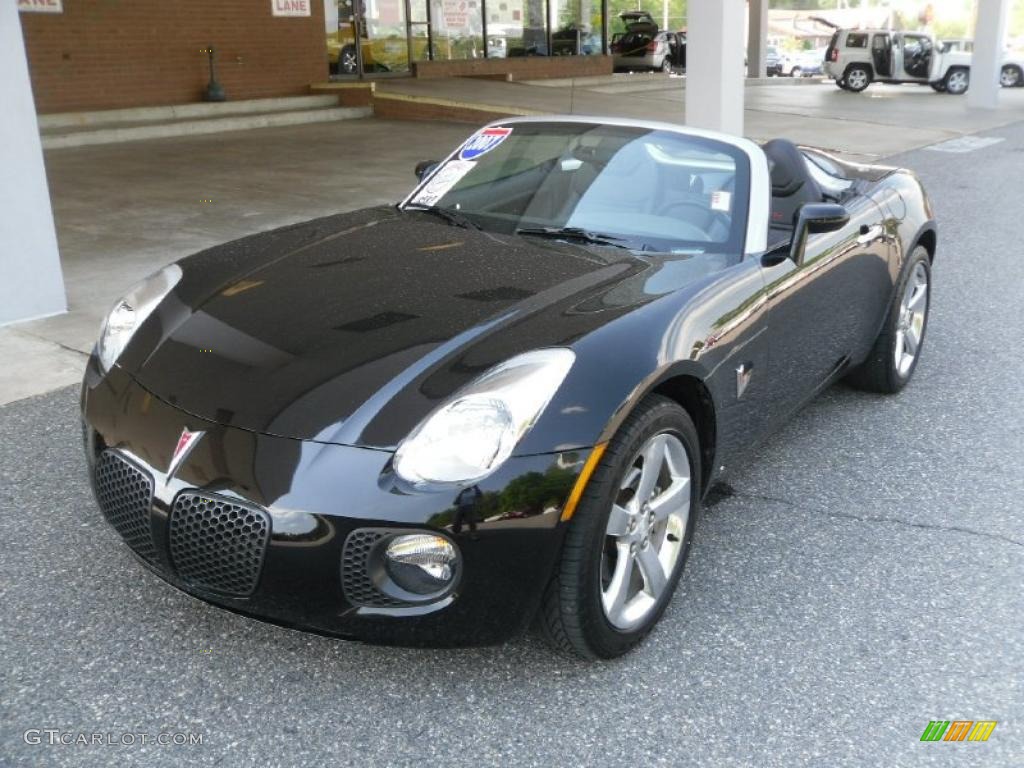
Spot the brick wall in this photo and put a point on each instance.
(517, 68)
(107, 54)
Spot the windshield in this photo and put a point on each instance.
(648, 189)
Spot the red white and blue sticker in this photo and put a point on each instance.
(483, 142)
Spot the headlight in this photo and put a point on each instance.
(469, 436)
(129, 313)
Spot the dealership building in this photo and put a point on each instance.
(68, 60)
(100, 54)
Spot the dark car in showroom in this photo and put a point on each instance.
(501, 401)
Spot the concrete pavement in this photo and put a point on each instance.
(856, 577)
(881, 121)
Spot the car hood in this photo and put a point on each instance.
(351, 329)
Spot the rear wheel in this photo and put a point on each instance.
(627, 542)
(1010, 76)
(894, 357)
(957, 81)
(857, 78)
(666, 65)
(797, 72)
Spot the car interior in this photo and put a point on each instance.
(665, 194)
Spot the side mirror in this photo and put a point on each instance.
(425, 167)
(813, 219)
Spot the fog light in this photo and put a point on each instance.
(421, 563)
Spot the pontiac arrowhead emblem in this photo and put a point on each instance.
(185, 445)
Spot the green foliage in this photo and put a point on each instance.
(1015, 24)
(525, 496)
(676, 13)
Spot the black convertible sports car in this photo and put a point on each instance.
(503, 399)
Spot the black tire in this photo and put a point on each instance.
(857, 77)
(347, 64)
(1011, 76)
(666, 65)
(841, 84)
(938, 87)
(879, 372)
(572, 617)
(954, 84)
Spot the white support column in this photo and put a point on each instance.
(31, 284)
(757, 38)
(714, 65)
(986, 61)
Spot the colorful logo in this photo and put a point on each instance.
(958, 730)
(185, 444)
(483, 142)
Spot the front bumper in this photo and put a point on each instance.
(312, 497)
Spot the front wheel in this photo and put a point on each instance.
(957, 80)
(796, 72)
(898, 347)
(627, 543)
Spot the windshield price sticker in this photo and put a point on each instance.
(721, 201)
(483, 142)
(446, 178)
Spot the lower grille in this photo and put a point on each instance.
(355, 573)
(218, 543)
(125, 495)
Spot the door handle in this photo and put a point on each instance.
(867, 234)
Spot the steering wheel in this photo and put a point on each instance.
(711, 214)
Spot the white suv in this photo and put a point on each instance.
(1011, 73)
(856, 57)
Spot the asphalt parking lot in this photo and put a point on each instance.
(859, 576)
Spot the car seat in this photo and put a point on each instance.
(792, 184)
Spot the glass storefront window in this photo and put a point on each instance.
(575, 27)
(382, 36)
(454, 29)
(457, 29)
(516, 28)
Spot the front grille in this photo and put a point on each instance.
(355, 573)
(218, 543)
(125, 495)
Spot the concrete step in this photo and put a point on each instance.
(165, 114)
(78, 136)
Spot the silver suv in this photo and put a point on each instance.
(857, 57)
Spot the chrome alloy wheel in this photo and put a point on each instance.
(644, 536)
(910, 326)
(857, 79)
(956, 82)
(349, 62)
